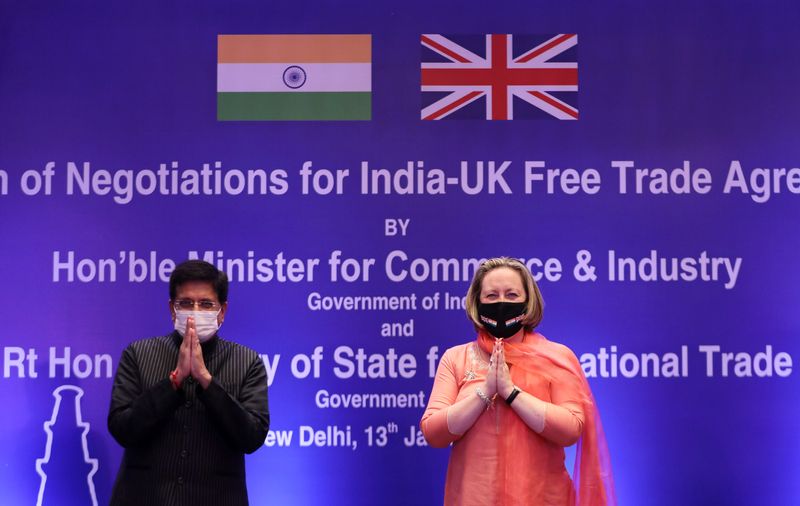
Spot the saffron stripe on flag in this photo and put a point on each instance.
(301, 48)
(249, 106)
(317, 77)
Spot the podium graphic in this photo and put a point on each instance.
(66, 469)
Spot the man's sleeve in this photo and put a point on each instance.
(135, 414)
(244, 421)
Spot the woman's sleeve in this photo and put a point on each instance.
(443, 395)
(564, 418)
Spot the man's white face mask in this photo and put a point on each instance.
(205, 323)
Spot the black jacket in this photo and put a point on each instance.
(186, 446)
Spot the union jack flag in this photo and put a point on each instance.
(458, 71)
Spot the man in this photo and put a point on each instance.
(187, 406)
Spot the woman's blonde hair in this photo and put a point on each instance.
(533, 297)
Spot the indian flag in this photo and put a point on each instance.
(294, 77)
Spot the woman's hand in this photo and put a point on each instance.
(490, 387)
(503, 382)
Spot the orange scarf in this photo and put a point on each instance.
(592, 478)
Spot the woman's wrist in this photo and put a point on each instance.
(504, 392)
(482, 395)
(488, 388)
(512, 395)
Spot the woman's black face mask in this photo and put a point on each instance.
(502, 319)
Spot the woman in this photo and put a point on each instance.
(510, 401)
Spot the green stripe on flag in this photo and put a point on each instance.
(252, 106)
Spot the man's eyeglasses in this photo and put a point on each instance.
(201, 305)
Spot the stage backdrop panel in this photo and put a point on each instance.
(348, 164)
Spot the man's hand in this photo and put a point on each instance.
(199, 371)
(184, 367)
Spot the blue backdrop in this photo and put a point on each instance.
(702, 88)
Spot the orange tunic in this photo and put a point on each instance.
(500, 460)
